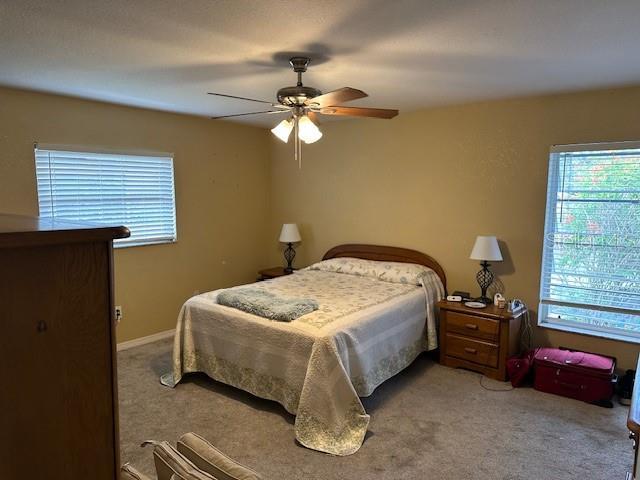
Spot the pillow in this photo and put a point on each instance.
(127, 472)
(169, 464)
(394, 272)
(211, 460)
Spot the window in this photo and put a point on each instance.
(132, 190)
(591, 256)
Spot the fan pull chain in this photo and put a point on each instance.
(297, 146)
(295, 139)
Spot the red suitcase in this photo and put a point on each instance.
(583, 376)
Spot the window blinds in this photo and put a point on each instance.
(132, 190)
(591, 253)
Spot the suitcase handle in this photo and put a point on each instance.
(471, 326)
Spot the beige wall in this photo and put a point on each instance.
(430, 180)
(222, 181)
(434, 179)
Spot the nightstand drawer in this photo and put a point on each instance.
(477, 351)
(484, 328)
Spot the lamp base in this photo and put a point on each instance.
(289, 255)
(484, 278)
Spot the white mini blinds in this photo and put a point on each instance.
(117, 189)
(591, 255)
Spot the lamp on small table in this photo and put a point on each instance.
(485, 249)
(289, 235)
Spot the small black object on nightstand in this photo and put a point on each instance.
(465, 295)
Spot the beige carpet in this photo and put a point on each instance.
(429, 422)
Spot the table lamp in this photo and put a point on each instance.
(289, 235)
(485, 249)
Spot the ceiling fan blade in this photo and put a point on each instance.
(250, 113)
(360, 112)
(335, 97)
(313, 116)
(239, 98)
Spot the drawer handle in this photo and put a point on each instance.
(41, 326)
(470, 350)
(471, 326)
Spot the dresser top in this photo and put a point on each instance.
(24, 231)
(490, 311)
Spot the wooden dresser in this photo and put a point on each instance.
(478, 339)
(58, 400)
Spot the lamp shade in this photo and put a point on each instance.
(307, 130)
(486, 248)
(290, 233)
(283, 130)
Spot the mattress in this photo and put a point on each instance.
(365, 331)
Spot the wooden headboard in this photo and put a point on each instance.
(387, 254)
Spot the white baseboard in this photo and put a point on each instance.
(136, 342)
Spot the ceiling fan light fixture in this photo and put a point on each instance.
(283, 130)
(307, 130)
(303, 103)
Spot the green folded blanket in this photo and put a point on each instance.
(266, 304)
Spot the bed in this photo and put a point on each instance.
(376, 314)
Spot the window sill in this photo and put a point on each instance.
(592, 333)
(117, 246)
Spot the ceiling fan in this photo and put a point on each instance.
(303, 103)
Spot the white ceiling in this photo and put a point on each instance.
(407, 54)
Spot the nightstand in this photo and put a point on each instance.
(479, 339)
(272, 272)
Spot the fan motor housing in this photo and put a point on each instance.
(297, 95)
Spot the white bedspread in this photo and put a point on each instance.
(365, 331)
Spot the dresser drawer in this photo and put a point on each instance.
(477, 351)
(484, 328)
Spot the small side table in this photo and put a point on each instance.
(272, 272)
(478, 339)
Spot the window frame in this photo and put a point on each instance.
(79, 150)
(611, 333)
